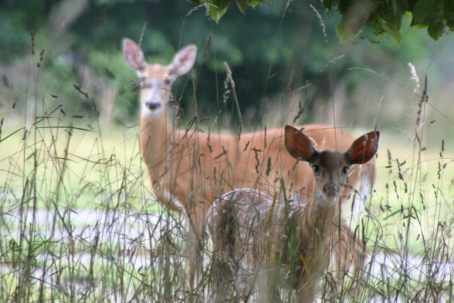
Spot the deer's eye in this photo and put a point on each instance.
(167, 81)
(345, 169)
(315, 168)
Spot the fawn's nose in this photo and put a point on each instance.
(330, 190)
(152, 105)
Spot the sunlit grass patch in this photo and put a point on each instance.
(413, 198)
(90, 168)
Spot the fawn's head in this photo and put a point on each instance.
(155, 79)
(331, 168)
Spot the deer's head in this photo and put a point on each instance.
(331, 168)
(155, 80)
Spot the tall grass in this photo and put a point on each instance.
(79, 223)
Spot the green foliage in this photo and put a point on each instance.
(217, 8)
(14, 37)
(383, 16)
(278, 46)
(430, 14)
(111, 64)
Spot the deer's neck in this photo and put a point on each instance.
(318, 223)
(155, 137)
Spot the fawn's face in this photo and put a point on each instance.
(331, 168)
(155, 80)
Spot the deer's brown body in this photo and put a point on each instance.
(189, 169)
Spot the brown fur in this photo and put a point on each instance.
(293, 242)
(197, 167)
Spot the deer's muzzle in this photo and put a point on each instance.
(330, 190)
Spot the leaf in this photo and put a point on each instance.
(216, 10)
(242, 5)
(254, 3)
(392, 31)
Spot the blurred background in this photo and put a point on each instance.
(77, 213)
(285, 57)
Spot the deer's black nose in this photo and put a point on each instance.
(152, 105)
(330, 190)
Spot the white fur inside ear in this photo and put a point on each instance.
(133, 54)
(183, 61)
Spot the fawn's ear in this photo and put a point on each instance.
(299, 145)
(363, 149)
(133, 54)
(183, 61)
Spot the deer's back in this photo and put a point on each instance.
(204, 165)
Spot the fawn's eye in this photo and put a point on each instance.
(345, 169)
(315, 168)
(167, 81)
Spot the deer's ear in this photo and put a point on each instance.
(363, 149)
(133, 54)
(183, 61)
(299, 145)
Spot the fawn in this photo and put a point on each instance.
(259, 239)
(190, 168)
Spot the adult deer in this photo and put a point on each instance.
(260, 239)
(189, 169)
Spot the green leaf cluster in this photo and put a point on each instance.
(217, 8)
(382, 16)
